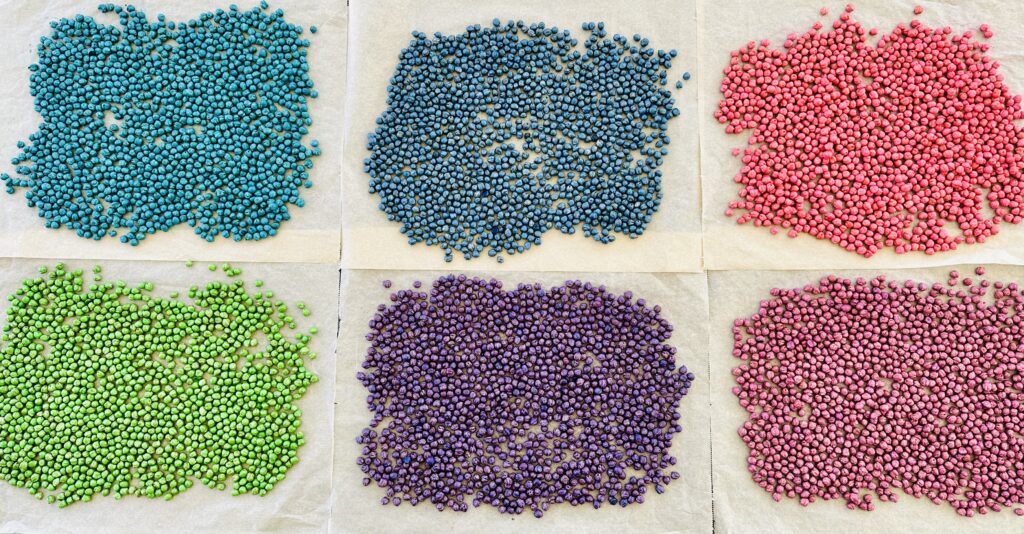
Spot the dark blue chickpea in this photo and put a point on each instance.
(510, 126)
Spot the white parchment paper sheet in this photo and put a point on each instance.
(381, 29)
(684, 507)
(313, 233)
(728, 25)
(741, 506)
(298, 504)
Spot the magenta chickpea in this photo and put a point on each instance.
(855, 389)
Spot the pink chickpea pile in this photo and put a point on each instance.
(908, 143)
(861, 387)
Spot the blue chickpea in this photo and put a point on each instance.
(152, 124)
(497, 135)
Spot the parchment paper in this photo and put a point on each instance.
(382, 29)
(727, 25)
(684, 507)
(313, 233)
(300, 503)
(741, 506)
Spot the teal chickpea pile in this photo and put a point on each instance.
(151, 124)
(108, 389)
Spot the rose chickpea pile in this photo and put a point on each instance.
(907, 144)
(869, 386)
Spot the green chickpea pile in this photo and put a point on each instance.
(107, 389)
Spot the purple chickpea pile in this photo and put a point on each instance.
(519, 399)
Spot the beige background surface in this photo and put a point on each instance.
(379, 32)
(684, 507)
(312, 235)
(299, 503)
(335, 407)
(741, 506)
(727, 25)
